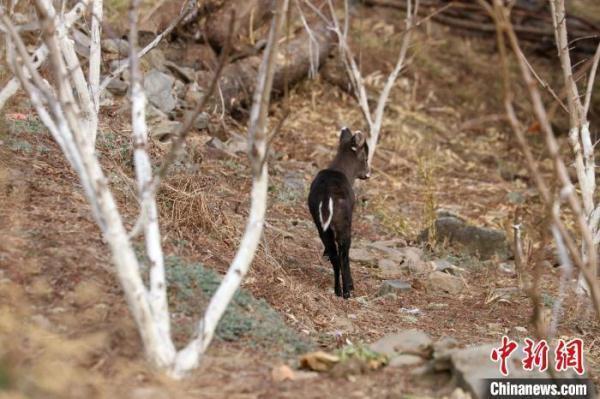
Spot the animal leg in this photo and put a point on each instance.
(347, 284)
(328, 239)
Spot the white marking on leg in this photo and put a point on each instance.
(328, 221)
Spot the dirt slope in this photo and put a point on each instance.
(64, 327)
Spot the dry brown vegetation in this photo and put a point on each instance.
(65, 330)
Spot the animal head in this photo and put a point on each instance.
(353, 152)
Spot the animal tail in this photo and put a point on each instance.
(325, 215)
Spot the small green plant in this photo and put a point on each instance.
(391, 220)
(21, 146)
(362, 353)
(28, 125)
(548, 300)
(232, 164)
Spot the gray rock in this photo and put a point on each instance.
(442, 265)
(118, 87)
(106, 99)
(193, 94)
(405, 257)
(444, 282)
(442, 351)
(236, 145)
(156, 58)
(409, 342)
(393, 286)
(476, 241)
(293, 181)
(388, 268)
(164, 130)
(399, 255)
(115, 64)
(201, 121)
(444, 344)
(159, 89)
(214, 142)
(115, 46)
(406, 361)
(362, 255)
(188, 75)
(179, 92)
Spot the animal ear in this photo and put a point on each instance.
(358, 140)
(345, 135)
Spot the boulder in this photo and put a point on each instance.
(477, 241)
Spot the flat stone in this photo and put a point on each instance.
(116, 46)
(201, 121)
(362, 255)
(164, 130)
(411, 342)
(118, 87)
(389, 268)
(444, 265)
(444, 282)
(394, 286)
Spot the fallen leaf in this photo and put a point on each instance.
(282, 373)
(318, 361)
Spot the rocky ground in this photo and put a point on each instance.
(431, 256)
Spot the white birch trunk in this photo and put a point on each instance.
(158, 286)
(94, 63)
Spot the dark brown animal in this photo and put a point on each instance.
(331, 203)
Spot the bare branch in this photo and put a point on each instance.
(586, 264)
(590, 84)
(41, 53)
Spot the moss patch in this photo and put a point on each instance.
(247, 318)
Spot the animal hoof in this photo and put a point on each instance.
(346, 294)
(338, 292)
